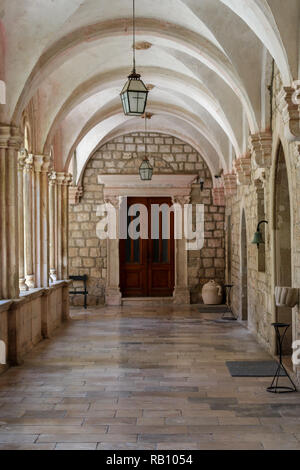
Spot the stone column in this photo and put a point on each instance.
(65, 226)
(41, 167)
(181, 293)
(45, 223)
(38, 163)
(21, 164)
(28, 222)
(60, 180)
(63, 182)
(52, 224)
(112, 292)
(9, 237)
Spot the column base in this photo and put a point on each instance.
(22, 285)
(181, 296)
(113, 297)
(53, 275)
(30, 281)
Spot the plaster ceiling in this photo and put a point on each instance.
(207, 61)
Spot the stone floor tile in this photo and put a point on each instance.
(132, 379)
(76, 446)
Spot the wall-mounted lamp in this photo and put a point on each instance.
(258, 238)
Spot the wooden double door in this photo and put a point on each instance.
(147, 261)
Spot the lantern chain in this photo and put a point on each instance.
(134, 59)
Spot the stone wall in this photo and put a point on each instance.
(256, 196)
(88, 254)
(258, 283)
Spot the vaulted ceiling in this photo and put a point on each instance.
(209, 62)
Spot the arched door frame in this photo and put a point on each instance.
(279, 140)
(243, 269)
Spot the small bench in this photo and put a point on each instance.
(81, 292)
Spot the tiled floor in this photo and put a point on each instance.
(144, 379)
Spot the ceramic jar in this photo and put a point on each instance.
(212, 293)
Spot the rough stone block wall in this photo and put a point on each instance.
(262, 311)
(258, 283)
(123, 155)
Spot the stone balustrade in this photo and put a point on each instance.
(36, 315)
(34, 246)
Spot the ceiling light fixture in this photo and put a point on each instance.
(146, 170)
(134, 94)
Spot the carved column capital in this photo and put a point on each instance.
(38, 161)
(182, 200)
(243, 168)
(63, 178)
(261, 149)
(230, 184)
(113, 200)
(41, 163)
(218, 196)
(29, 162)
(68, 179)
(75, 194)
(10, 137)
(290, 110)
(22, 155)
(52, 178)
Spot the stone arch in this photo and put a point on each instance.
(258, 16)
(189, 87)
(192, 43)
(133, 166)
(107, 163)
(92, 128)
(282, 228)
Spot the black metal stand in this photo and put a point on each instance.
(81, 292)
(274, 387)
(228, 315)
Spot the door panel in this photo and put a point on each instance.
(161, 251)
(147, 265)
(133, 260)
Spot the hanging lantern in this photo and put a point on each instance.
(146, 170)
(134, 94)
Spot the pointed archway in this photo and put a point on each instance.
(244, 269)
(283, 242)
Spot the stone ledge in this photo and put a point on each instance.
(32, 317)
(5, 305)
(57, 284)
(29, 295)
(32, 294)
